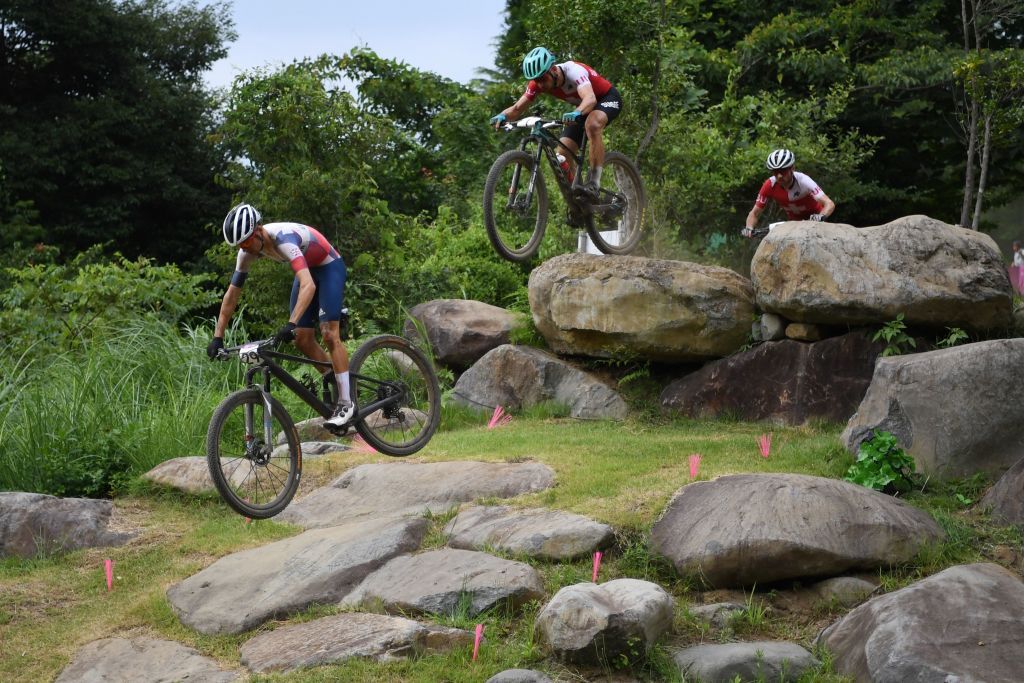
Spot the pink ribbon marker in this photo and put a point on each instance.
(694, 465)
(499, 419)
(359, 444)
(476, 641)
(108, 567)
(764, 442)
(597, 566)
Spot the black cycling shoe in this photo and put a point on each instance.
(588, 190)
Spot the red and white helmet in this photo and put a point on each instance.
(240, 223)
(779, 159)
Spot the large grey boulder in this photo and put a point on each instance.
(188, 473)
(443, 582)
(591, 624)
(1005, 499)
(34, 523)
(399, 489)
(461, 331)
(788, 382)
(743, 529)
(956, 411)
(128, 660)
(660, 310)
(775, 661)
(517, 377)
(934, 273)
(963, 624)
(538, 532)
(334, 639)
(245, 589)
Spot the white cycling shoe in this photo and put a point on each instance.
(343, 412)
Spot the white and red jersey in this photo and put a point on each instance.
(798, 201)
(294, 243)
(576, 74)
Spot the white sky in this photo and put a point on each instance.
(452, 38)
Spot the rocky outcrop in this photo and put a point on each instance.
(963, 624)
(517, 377)
(35, 523)
(127, 660)
(788, 382)
(461, 331)
(540, 533)
(934, 273)
(956, 411)
(747, 529)
(1005, 500)
(757, 661)
(660, 310)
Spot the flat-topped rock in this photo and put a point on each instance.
(743, 529)
(334, 639)
(129, 660)
(461, 331)
(756, 661)
(442, 582)
(34, 523)
(398, 489)
(538, 532)
(244, 589)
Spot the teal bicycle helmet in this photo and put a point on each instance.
(536, 62)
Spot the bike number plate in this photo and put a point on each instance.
(249, 353)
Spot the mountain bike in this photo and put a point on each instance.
(516, 200)
(398, 407)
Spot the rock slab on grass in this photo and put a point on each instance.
(245, 589)
(743, 529)
(519, 676)
(592, 625)
(334, 639)
(538, 532)
(1006, 498)
(461, 331)
(123, 660)
(757, 661)
(447, 582)
(35, 523)
(965, 623)
(398, 489)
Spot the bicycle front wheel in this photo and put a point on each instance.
(253, 477)
(514, 213)
(618, 218)
(390, 371)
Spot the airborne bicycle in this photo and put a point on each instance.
(398, 408)
(516, 200)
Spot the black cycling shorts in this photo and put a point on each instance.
(610, 104)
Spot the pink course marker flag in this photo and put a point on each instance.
(359, 444)
(108, 567)
(764, 442)
(597, 566)
(499, 419)
(694, 465)
(476, 640)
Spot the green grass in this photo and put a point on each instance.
(620, 474)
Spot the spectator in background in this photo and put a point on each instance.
(1017, 268)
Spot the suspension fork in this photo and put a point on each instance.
(264, 389)
(514, 187)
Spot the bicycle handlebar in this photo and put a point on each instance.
(227, 353)
(530, 122)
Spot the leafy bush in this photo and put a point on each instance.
(882, 464)
(894, 334)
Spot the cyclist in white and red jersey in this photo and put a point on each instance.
(317, 291)
(798, 195)
(597, 103)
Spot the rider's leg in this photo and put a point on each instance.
(331, 332)
(595, 125)
(568, 148)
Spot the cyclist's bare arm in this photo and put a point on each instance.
(589, 99)
(307, 288)
(227, 309)
(828, 206)
(515, 111)
(753, 217)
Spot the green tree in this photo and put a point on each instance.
(103, 120)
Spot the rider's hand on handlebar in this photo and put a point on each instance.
(571, 116)
(498, 119)
(214, 348)
(817, 217)
(747, 231)
(285, 334)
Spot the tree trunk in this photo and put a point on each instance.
(655, 82)
(986, 146)
(972, 148)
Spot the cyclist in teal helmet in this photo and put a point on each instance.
(597, 102)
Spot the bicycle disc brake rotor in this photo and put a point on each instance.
(257, 452)
(393, 410)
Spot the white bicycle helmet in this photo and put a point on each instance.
(779, 159)
(240, 223)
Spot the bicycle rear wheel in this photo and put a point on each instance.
(514, 217)
(391, 370)
(254, 479)
(617, 221)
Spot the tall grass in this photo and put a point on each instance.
(82, 422)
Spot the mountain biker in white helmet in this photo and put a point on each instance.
(317, 291)
(798, 195)
(596, 100)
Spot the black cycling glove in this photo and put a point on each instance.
(214, 348)
(285, 334)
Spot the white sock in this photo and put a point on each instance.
(343, 389)
(595, 174)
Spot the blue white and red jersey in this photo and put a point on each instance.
(576, 74)
(294, 243)
(798, 201)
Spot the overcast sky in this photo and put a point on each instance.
(453, 38)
